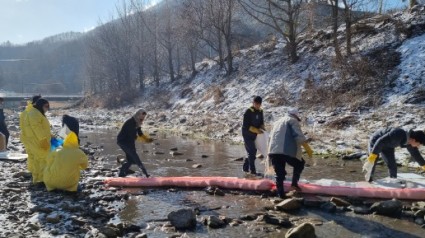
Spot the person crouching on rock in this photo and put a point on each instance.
(63, 167)
(126, 140)
(286, 139)
(384, 141)
(71, 123)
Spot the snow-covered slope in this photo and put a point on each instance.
(212, 104)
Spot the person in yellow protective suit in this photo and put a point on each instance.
(25, 127)
(63, 167)
(39, 134)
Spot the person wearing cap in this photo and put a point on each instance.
(3, 126)
(286, 139)
(253, 124)
(25, 130)
(126, 140)
(384, 141)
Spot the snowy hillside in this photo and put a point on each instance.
(391, 47)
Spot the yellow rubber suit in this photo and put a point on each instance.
(25, 127)
(63, 166)
(38, 142)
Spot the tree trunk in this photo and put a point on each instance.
(292, 34)
(335, 10)
(348, 29)
(193, 61)
(228, 35)
(220, 49)
(412, 3)
(381, 4)
(170, 63)
(141, 76)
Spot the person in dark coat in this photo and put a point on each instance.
(126, 140)
(383, 143)
(253, 124)
(3, 126)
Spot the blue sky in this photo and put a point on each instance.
(23, 21)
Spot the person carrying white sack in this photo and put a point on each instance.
(253, 124)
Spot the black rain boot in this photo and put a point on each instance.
(245, 166)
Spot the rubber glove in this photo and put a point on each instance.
(145, 138)
(372, 157)
(255, 130)
(308, 149)
(44, 144)
(421, 169)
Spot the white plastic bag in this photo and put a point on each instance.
(261, 143)
(268, 168)
(367, 167)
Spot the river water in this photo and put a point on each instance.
(148, 207)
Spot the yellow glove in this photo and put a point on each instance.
(44, 144)
(144, 138)
(423, 167)
(372, 157)
(255, 130)
(308, 149)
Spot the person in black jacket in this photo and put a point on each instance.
(253, 124)
(3, 126)
(126, 140)
(383, 142)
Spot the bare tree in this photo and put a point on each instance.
(282, 16)
(349, 19)
(110, 55)
(335, 13)
(190, 35)
(161, 27)
(412, 3)
(380, 6)
(214, 21)
(140, 46)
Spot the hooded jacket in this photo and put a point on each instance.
(286, 137)
(391, 138)
(63, 166)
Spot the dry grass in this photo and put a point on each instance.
(361, 82)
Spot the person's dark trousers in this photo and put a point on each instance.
(249, 163)
(279, 163)
(132, 158)
(4, 131)
(388, 155)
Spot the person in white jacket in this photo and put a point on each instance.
(286, 139)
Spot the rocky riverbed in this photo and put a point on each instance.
(98, 211)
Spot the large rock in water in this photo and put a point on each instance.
(215, 222)
(183, 219)
(387, 208)
(305, 230)
(288, 205)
